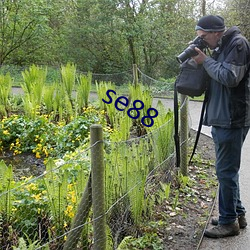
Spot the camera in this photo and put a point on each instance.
(190, 51)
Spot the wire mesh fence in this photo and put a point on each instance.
(160, 87)
(42, 209)
(55, 210)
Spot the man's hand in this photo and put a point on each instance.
(200, 58)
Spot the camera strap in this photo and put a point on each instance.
(176, 127)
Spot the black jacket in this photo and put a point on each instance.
(229, 90)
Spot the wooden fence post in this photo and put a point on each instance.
(80, 218)
(135, 74)
(98, 195)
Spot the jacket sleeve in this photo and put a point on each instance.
(234, 66)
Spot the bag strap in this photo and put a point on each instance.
(199, 127)
(176, 126)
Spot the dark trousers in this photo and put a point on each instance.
(228, 145)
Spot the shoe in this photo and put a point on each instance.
(221, 231)
(241, 219)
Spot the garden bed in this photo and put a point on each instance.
(178, 221)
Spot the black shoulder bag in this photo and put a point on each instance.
(191, 81)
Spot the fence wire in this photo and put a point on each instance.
(41, 209)
(45, 209)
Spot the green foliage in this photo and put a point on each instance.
(15, 71)
(103, 36)
(184, 181)
(6, 184)
(122, 125)
(126, 172)
(30, 206)
(83, 91)
(5, 91)
(176, 199)
(57, 188)
(48, 98)
(140, 92)
(164, 192)
(43, 137)
(33, 85)
(147, 241)
(68, 74)
(29, 245)
(23, 25)
(128, 161)
(162, 140)
(102, 89)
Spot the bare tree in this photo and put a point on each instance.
(20, 22)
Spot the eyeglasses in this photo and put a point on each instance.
(203, 36)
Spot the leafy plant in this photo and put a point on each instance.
(48, 98)
(22, 245)
(176, 199)
(5, 90)
(164, 191)
(68, 74)
(147, 241)
(6, 184)
(34, 81)
(102, 89)
(30, 208)
(162, 133)
(139, 92)
(83, 91)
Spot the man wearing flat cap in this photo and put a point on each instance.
(228, 113)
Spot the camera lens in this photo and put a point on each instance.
(190, 51)
(187, 53)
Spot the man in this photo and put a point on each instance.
(228, 112)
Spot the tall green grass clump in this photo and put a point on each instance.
(5, 90)
(68, 74)
(83, 91)
(34, 80)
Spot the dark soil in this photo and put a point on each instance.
(25, 164)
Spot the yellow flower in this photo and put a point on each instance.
(31, 187)
(37, 196)
(16, 152)
(38, 156)
(69, 211)
(73, 199)
(14, 209)
(6, 132)
(45, 151)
